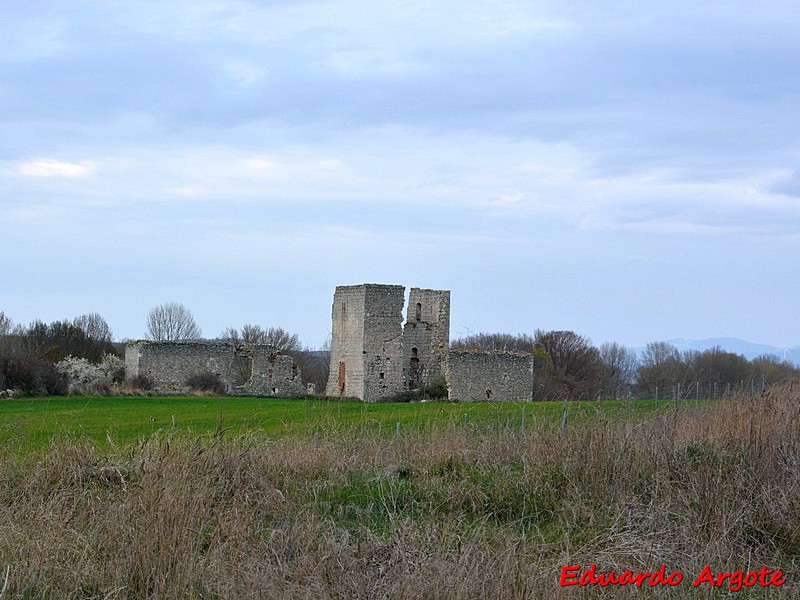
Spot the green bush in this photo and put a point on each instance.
(407, 396)
(142, 382)
(32, 377)
(206, 381)
(437, 388)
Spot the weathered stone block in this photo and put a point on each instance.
(482, 376)
(247, 370)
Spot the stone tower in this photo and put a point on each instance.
(426, 336)
(366, 342)
(374, 356)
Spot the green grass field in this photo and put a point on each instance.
(29, 424)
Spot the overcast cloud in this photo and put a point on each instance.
(629, 171)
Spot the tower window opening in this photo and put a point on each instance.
(342, 377)
(413, 370)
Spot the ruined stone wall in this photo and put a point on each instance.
(169, 364)
(383, 342)
(366, 349)
(271, 374)
(426, 336)
(346, 376)
(132, 354)
(244, 369)
(489, 376)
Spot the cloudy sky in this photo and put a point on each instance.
(626, 170)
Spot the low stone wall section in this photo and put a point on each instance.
(489, 376)
(272, 374)
(247, 370)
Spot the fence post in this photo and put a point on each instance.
(522, 427)
(656, 398)
(397, 431)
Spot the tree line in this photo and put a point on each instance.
(80, 354)
(567, 365)
(30, 356)
(49, 358)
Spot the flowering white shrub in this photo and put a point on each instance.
(87, 377)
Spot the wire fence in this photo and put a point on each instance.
(694, 390)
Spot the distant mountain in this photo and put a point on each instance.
(747, 349)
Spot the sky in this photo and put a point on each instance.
(629, 171)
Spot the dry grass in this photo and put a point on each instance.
(446, 514)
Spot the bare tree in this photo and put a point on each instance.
(659, 353)
(771, 369)
(661, 368)
(230, 334)
(277, 337)
(171, 322)
(505, 342)
(315, 365)
(715, 365)
(255, 334)
(619, 369)
(6, 330)
(94, 326)
(282, 339)
(572, 366)
(6, 324)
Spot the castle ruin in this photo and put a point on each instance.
(243, 369)
(374, 356)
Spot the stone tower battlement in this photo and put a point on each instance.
(366, 345)
(373, 356)
(426, 336)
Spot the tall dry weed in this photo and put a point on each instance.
(455, 513)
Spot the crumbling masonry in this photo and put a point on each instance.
(244, 369)
(374, 356)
